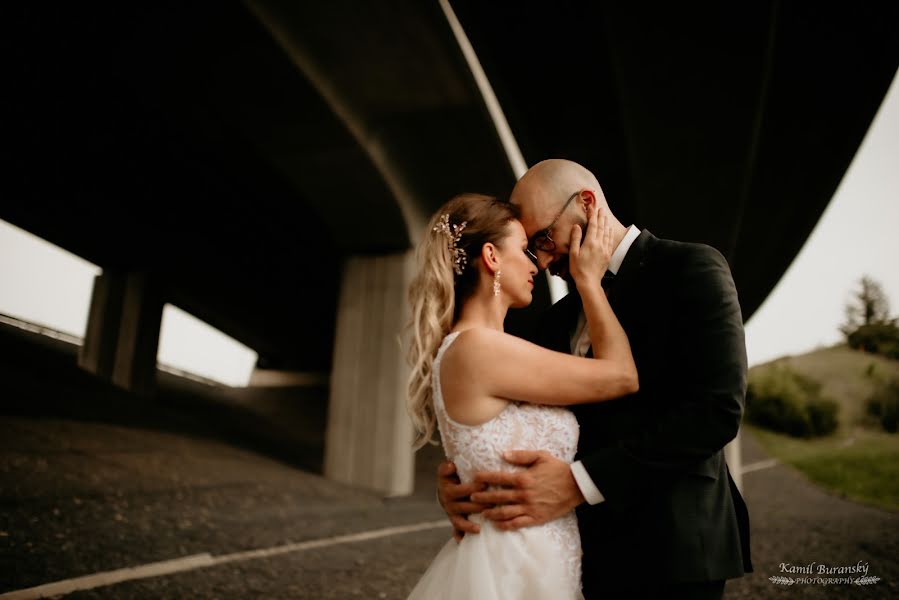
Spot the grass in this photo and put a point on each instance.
(844, 377)
(860, 461)
(861, 464)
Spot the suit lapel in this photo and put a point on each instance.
(621, 288)
(634, 262)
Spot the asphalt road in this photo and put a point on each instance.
(80, 498)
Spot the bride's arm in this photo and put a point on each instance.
(515, 369)
(588, 263)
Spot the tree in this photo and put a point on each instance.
(869, 306)
(868, 324)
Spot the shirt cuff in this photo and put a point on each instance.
(591, 493)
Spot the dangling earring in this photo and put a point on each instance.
(496, 284)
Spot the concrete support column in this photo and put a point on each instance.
(122, 336)
(97, 353)
(138, 344)
(369, 434)
(734, 457)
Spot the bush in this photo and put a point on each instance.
(884, 406)
(783, 400)
(777, 412)
(822, 416)
(877, 338)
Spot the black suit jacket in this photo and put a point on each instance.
(671, 509)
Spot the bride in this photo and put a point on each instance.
(487, 391)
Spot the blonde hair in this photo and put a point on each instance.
(437, 293)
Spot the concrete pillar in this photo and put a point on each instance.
(122, 336)
(97, 353)
(369, 434)
(734, 458)
(138, 343)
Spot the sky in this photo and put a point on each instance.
(855, 236)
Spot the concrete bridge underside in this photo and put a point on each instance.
(267, 166)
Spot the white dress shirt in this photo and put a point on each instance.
(580, 343)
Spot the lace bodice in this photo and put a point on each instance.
(520, 426)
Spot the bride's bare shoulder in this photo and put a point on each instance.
(477, 344)
(465, 372)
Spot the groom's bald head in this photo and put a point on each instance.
(542, 191)
(544, 188)
(541, 195)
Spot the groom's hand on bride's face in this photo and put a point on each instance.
(455, 498)
(545, 491)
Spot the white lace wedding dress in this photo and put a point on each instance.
(541, 562)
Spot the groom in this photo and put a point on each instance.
(659, 514)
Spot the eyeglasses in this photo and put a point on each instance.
(542, 240)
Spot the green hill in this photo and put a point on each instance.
(859, 461)
(847, 376)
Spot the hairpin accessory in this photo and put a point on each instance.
(453, 234)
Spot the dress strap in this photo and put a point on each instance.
(450, 337)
